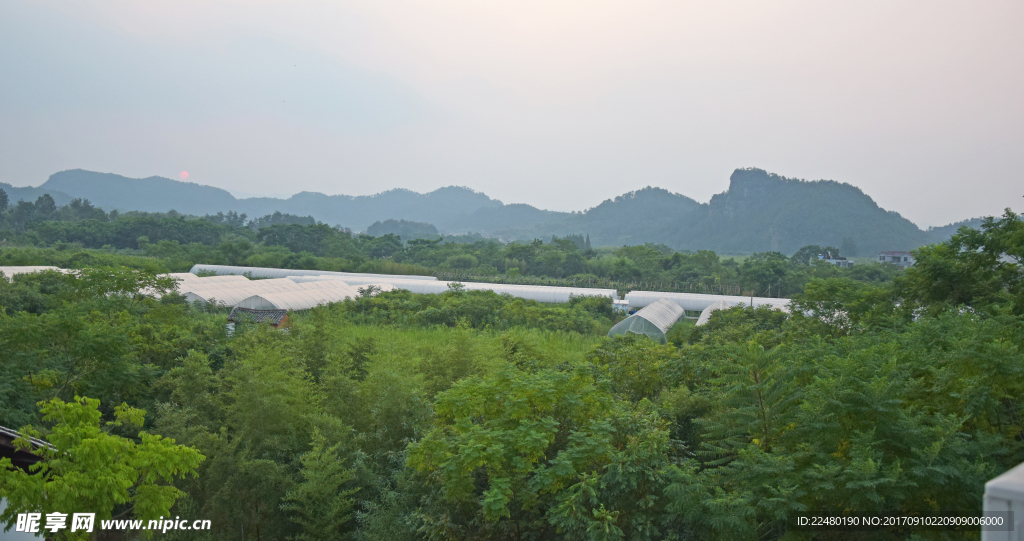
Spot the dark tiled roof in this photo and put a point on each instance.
(258, 316)
(19, 457)
(7, 436)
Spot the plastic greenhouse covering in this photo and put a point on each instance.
(229, 285)
(399, 282)
(697, 302)
(230, 290)
(267, 272)
(414, 284)
(341, 286)
(653, 321)
(553, 294)
(188, 277)
(705, 315)
(229, 293)
(9, 272)
(297, 300)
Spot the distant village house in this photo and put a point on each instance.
(900, 259)
(836, 260)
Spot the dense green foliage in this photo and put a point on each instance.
(402, 228)
(89, 468)
(469, 415)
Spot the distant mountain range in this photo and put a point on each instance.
(760, 211)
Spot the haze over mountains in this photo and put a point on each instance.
(760, 211)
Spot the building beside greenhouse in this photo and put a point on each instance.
(274, 318)
(653, 321)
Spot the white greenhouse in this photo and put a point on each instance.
(411, 283)
(267, 272)
(9, 272)
(188, 277)
(697, 302)
(552, 294)
(229, 293)
(399, 281)
(297, 300)
(414, 286)
(341, 286)
(653, 321)
(233, 290)
(705, 314)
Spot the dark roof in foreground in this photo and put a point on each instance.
(274, 317)
(21, 458)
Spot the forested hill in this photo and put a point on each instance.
(28, 193)
(759, 212)
(762, 211)
(444, 208)
(152, 194)
(647, 215)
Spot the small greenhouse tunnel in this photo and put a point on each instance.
(653, 321)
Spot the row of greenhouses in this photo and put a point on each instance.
(265, 294)
(694, 302)
(414, 284)
(260, 288)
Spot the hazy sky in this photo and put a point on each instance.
(560, 104)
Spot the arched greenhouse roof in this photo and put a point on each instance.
(697, 302)
(267, 272)
(705, 314)
(230, 292)
(552, 294)
(297, 300)
(398, 282)
(188, 277)
(289, 294)
(653, 321)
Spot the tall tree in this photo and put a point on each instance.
(87, 468)
(975, 268)
(319, 502)
(45, 206)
